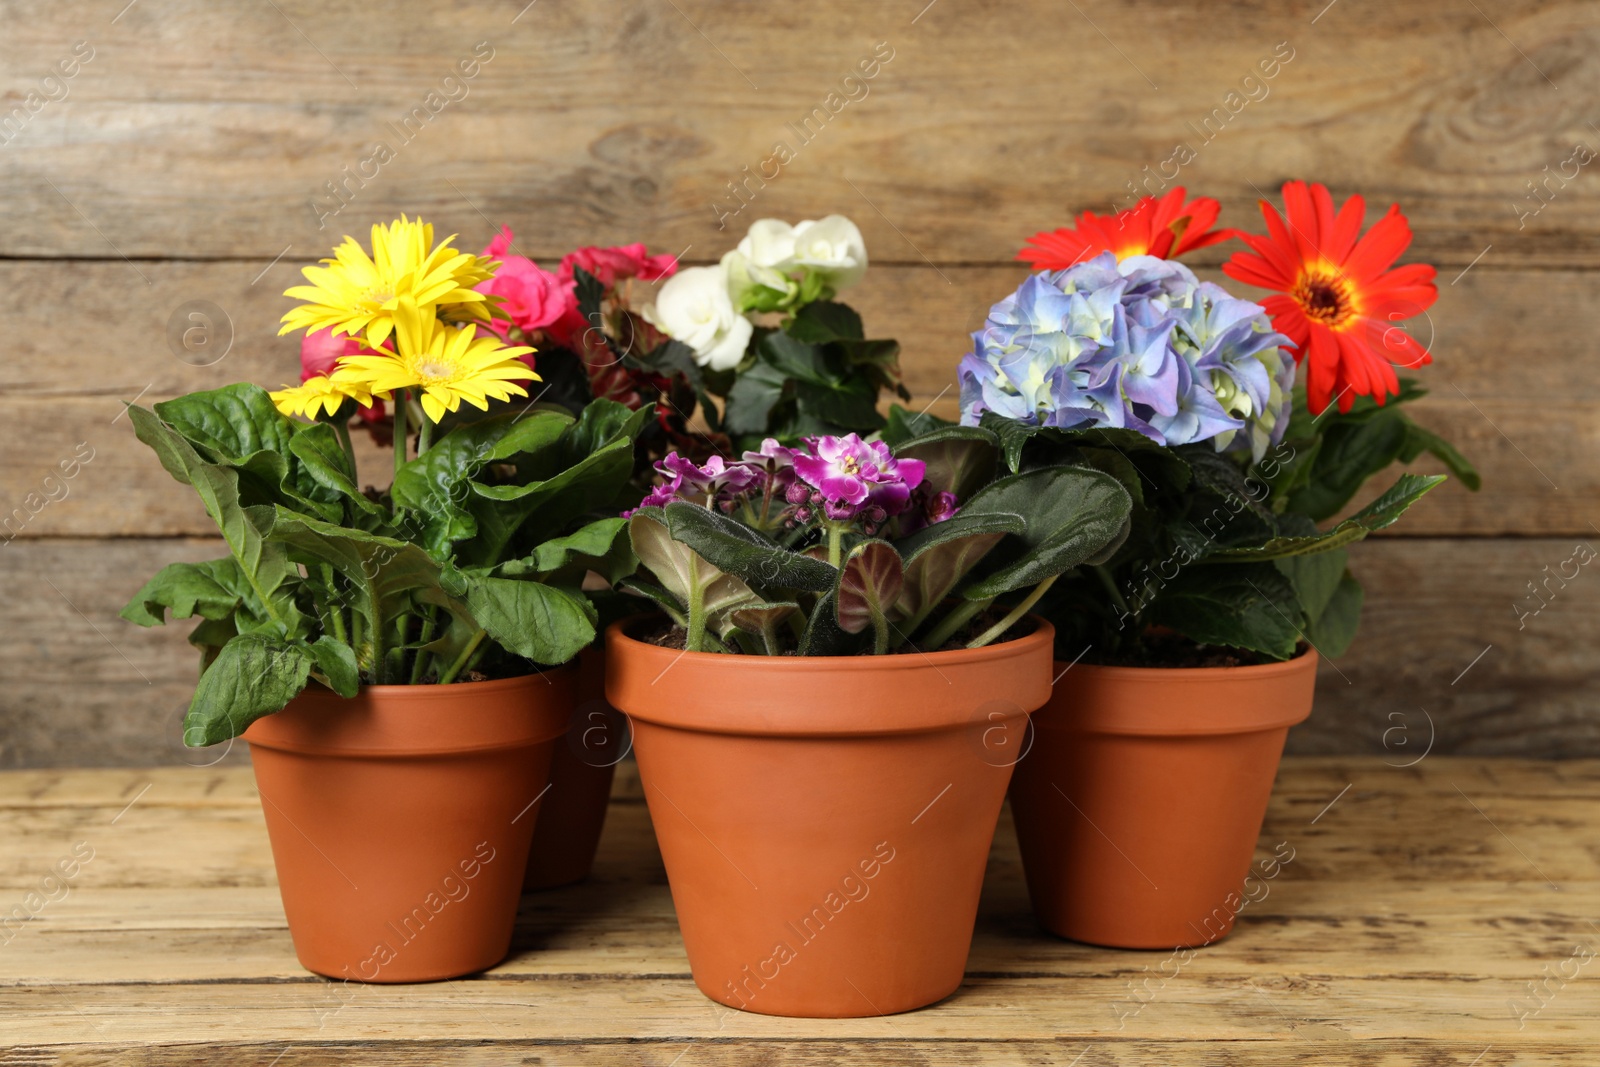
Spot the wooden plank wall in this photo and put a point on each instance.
(188, 156)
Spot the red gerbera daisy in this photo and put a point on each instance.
(1342, 301)
(1167, 228)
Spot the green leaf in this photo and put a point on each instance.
(751, 401)
(734, 547)
(680, 570)
(960, 459)
(1351, 453)
(1073, 516)
(1012, 435)
(825, 321)
(437, 484)
(602, 546)
(1315, 577)
(213, 590)
(663, 599)
(254, 675)
(387, 574)
(265, 567)
(850, 405)
(238, 426)
(337, 662)
(823, 635)
(937, 557)
(869, 585)
(1420, 440)
(1334, 629)
(763, 620)
(588, 469)
(1247, 605)
(1384, 511)
(323, 457)
(904, 425)
(544, 623)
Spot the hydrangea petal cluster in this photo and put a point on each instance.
(1140, 344)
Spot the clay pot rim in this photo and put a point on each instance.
(1157, 718)
(723, 701)
(410, 724)
(1200, 674)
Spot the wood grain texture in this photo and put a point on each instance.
(991, 120)
(1534, 441)
(162, 954)
(189, 157)
(85, 688)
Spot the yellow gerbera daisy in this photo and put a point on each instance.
(320, 394)
(353, 292)
(447, 364)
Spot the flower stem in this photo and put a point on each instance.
(424, 435)
(342, 428)
(954, 621)
(1016, 613)
(1111, 587)
(461, 661)
(695, 642)
(429, 621)
(835, 533)
(399, 429)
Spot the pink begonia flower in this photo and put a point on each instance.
(534, 298)
(849, 471)
(610, 265)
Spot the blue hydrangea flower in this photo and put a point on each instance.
(1140, 344)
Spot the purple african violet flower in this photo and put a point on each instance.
(848, 470)
(928, 508)
(775, 465)
(717, 476)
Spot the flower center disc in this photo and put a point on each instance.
(433, 371)
(1324, 297)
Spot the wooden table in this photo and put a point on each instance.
(1419, 906)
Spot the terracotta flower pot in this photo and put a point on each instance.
(400, 820)
(573, 811)
(825, 822)
(1139, 804)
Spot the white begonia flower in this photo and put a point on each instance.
(694, 306)
(767, 253)
(743, 276)
(832, 247)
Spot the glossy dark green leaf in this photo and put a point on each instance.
(1335, 627)
(1382, 512)
(1246, 605)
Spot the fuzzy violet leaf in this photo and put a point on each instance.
(869, 587)
(739, 550)
(1073, 516)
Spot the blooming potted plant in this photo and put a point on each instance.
(384, 654)
(755, 345)
(1187, 656)
(767, 337)
(820, 716)
(593, 346)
